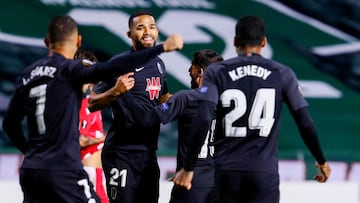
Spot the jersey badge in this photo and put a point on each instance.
(164, 106)
(161, 71)
(203, 89)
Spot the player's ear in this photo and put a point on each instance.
(46, 41)
(200, 72)
(263, 42)
(79, 39)
(128, 33)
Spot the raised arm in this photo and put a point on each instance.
(123, 84)
(124, 63)
(130, 62)
(165, 112)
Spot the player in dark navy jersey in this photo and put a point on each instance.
(48, 93)
(203, 177)
(129, 153)
(249, 91)
(181, 107)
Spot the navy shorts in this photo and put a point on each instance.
(202, 186)
(194, 195)
(40, 186)
(240, 186)
(131, 176)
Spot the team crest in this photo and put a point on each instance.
(203, 89)
(161, 71)
(113, 193)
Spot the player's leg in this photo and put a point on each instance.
(57, 186)
(195, 195)
(228, 187)
(148, 190)
(100, 186)
(96, 176)
(265, 187)
(122, 175)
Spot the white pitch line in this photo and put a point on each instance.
(352, 46)
(21, 40)
(336, 49)
(308, 20)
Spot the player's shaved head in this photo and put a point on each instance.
(61, 28)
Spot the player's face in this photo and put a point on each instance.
(143, 32)
(194, 74)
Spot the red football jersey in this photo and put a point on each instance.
(91, 125)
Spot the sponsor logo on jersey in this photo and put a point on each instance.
(153, 87)
(139, 69)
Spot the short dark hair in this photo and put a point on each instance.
(60, 28)
(204, 57)
(85, 54)
(250, 30)
(136, 14)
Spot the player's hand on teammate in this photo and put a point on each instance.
(183, 178)
(173, 42)
(124, 83)
(165, 97)
(324, 172)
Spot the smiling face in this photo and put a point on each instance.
(143, 32)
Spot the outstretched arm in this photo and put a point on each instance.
(309, 136)
(123, 84)
(124, 63)
(164, 113)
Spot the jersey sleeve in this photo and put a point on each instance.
(116, 66)
(12, 122)
(197, 134)
(209, 88)
(102, 86)
(308, 133)
(292, 93)
(177, 103)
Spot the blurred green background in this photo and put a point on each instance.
(319, 40)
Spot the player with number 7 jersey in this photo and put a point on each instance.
(48, 94)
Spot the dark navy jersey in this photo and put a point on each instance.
(49, 93)
(183, 107)
(126, 132)
(249, 91)
(204, 173)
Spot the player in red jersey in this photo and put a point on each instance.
(92, 134)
